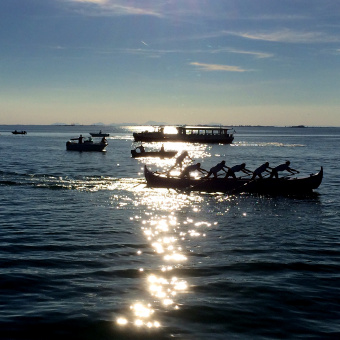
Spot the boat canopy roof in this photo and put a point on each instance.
(204, 127)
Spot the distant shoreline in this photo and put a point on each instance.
(134, 124)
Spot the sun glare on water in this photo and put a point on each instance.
(171, 239)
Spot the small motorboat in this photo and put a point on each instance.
(87, 145)
(15, 132)
(99, 134)
(159, 154)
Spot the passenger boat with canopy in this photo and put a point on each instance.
(189, 134)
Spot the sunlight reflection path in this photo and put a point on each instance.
(168, 225)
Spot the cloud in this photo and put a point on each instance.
(281, 17)
(56, 47)
(113, 7)
(217, 67)
(259, 55)
(100, 2)
(289, 36)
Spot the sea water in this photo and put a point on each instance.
(87, 251)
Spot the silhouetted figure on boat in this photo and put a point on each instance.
(283, 167)
(140, 148)
(215, 169)
(236, 168)
(263, 168)
(180, 160)
(191, 168)
(79, 139)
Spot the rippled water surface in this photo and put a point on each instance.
(88, 252)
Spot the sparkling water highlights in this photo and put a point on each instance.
(88, 251)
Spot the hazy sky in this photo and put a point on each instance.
(262, 62)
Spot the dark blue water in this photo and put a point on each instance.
(88, 252)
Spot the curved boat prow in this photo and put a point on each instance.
(146, 171)
(317, 179)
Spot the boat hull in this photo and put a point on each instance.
(159, 137)
(99, 134)
(71, 146)
(304, 185)
(19, 132)
(159, 154)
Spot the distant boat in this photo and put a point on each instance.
(99, 134)
(193, 134)
(87, 145)
(15, 132)
(160, 154)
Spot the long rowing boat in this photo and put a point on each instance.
(285, 185)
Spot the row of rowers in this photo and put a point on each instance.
(230, 171)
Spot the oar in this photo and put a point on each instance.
(161, 173)
(289, 174)
(138, 185)
(211, 179)
(242, 187)
(243, 176)
(204, 180)
(245, 185)
(284, 177)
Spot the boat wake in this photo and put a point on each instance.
(270, 144)
(82, 183)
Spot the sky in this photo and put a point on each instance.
(230, 62)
